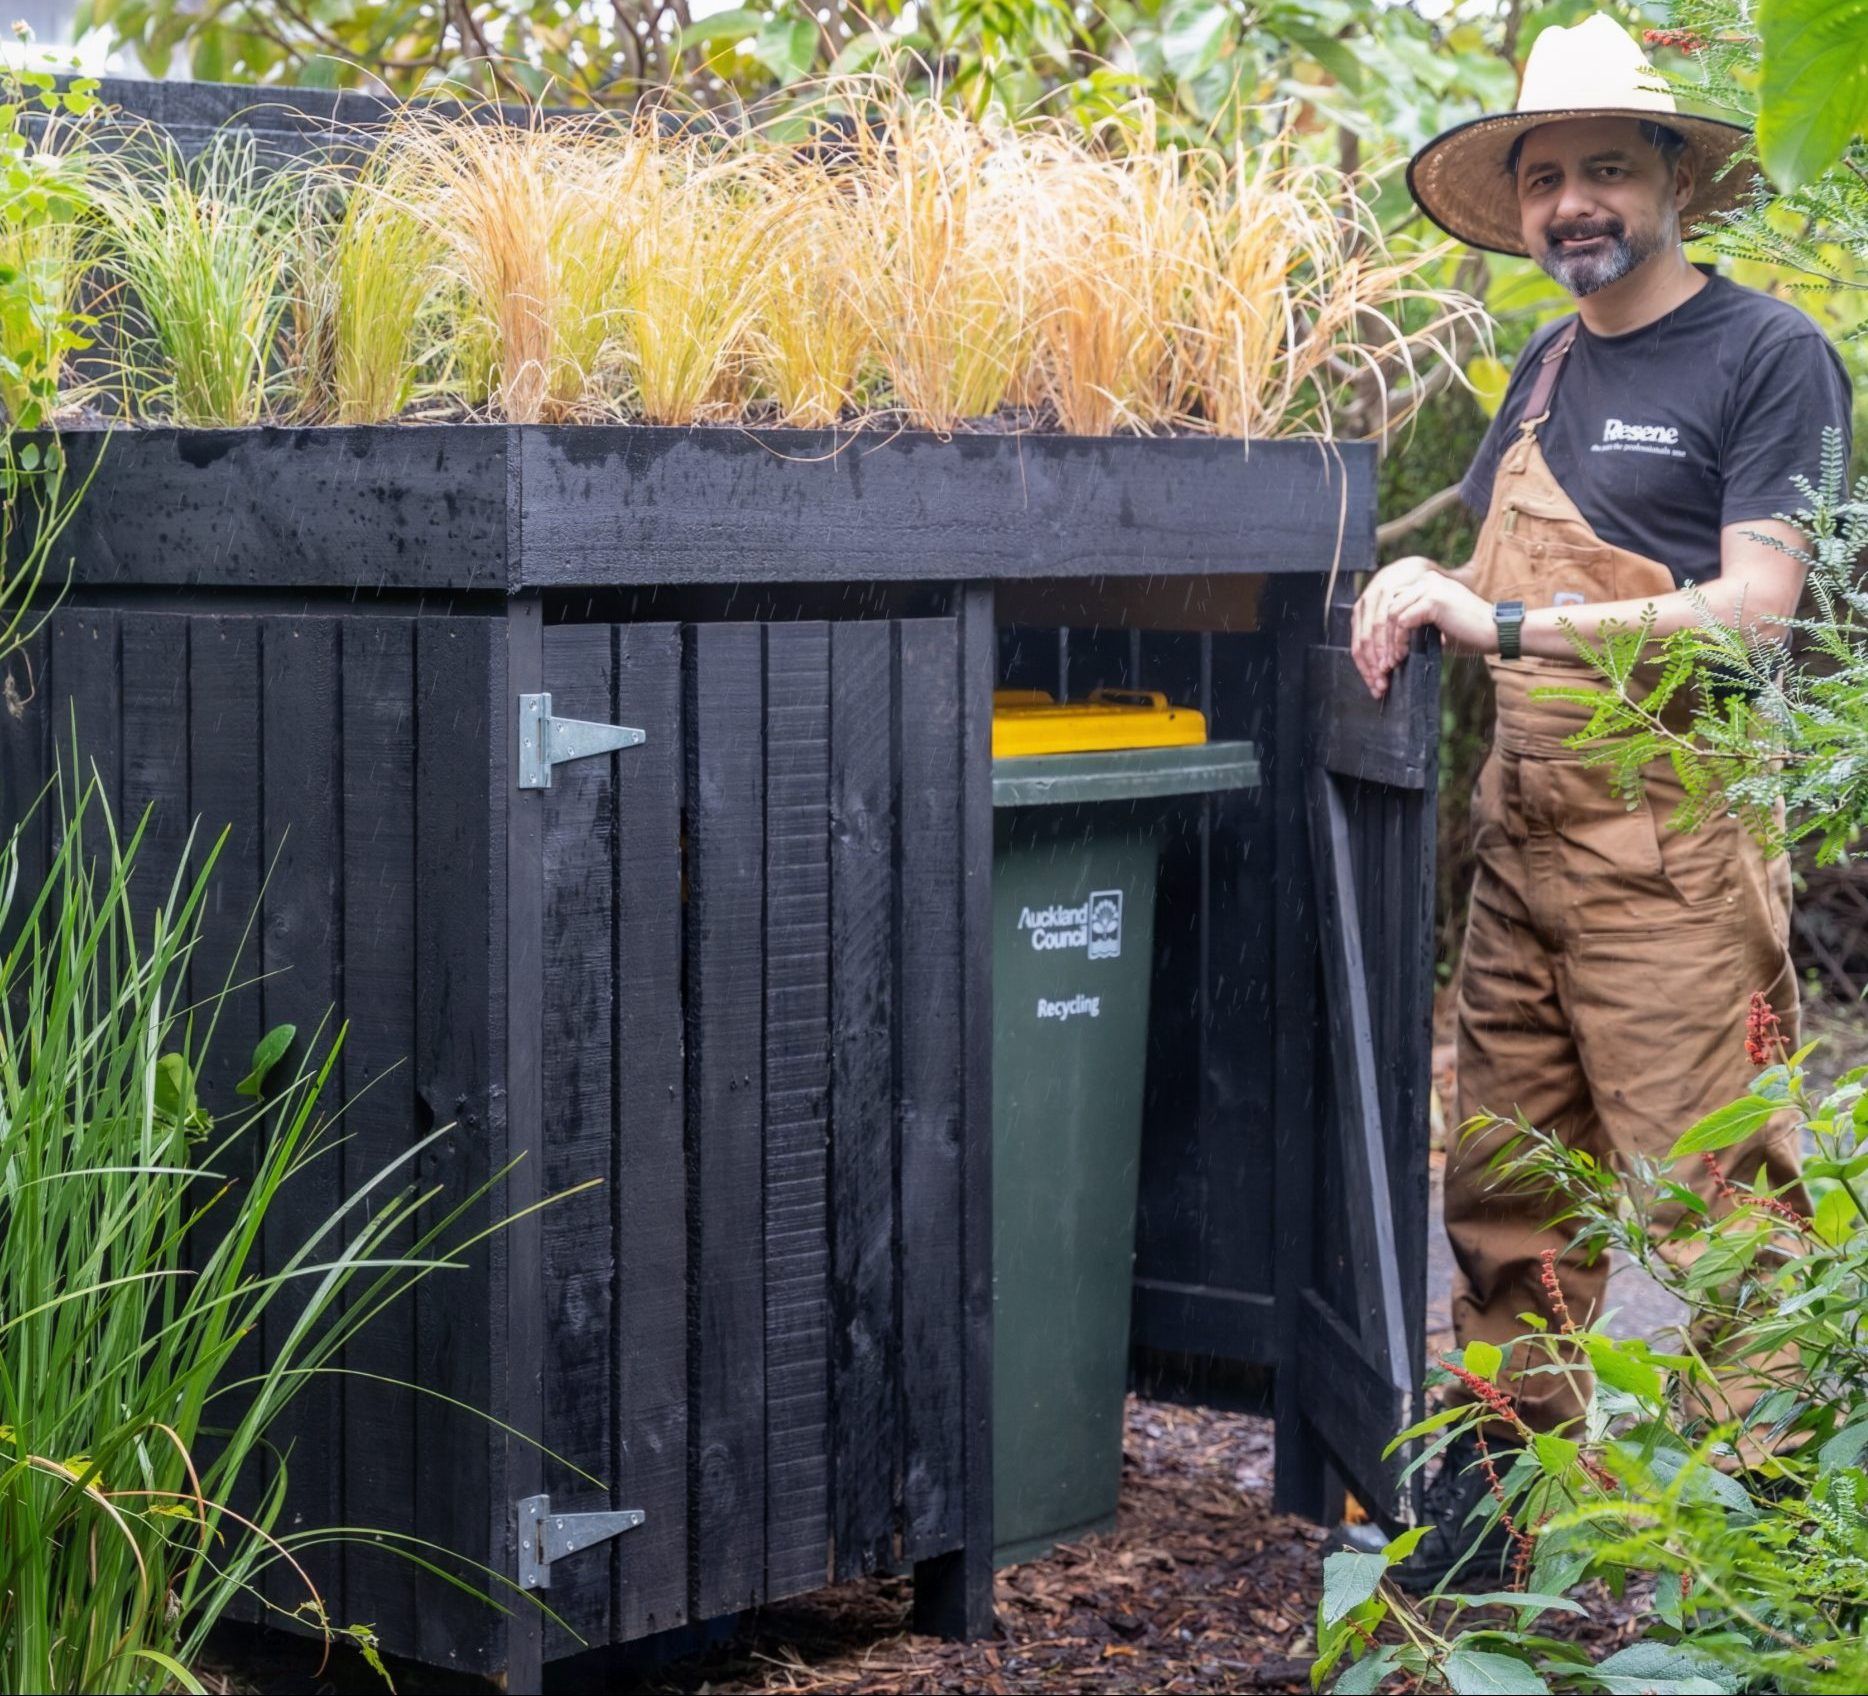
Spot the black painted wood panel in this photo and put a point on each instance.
(725, 1015)
(459, 1073)
(154, 652)
(930, 1043)
(797, 1088)
(866, 1412)
(650, 1196)
(579, 1076)
(301, 791)
(381, 1118)
(667, 506)
(364, 508)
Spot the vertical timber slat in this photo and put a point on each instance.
(456, 751)
(954, 1592)
(378, 916)
(650, 1350)
(797, 1087)
(301, 797)
(725, 1012)
(865, 1440)
(155, 753)
(928, 738)
(577, 1072)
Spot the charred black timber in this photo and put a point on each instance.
(466, 508)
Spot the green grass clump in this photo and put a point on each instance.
(202, 249)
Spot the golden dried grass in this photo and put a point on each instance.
(528, 221)
(909, 260)
(699, 229)
(941, 206)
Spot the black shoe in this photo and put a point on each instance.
(1460, 1551)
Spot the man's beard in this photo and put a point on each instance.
(1586, 273)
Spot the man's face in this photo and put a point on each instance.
(1596, 199)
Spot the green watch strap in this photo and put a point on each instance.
(1508, 616)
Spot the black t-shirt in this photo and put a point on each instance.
(1664, 436)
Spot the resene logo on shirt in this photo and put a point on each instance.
(1619, 436)
(1659, 435)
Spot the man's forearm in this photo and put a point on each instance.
(1548, 631)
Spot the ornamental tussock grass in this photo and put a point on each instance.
(367, 281)
(941, 206)
(202, 248)
(700, 226)
(903, 261)
(130, 1270)
(532, 224)
(808, 341)
(1298, 295)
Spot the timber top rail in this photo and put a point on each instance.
(506, 509)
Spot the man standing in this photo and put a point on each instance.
(1644, 444)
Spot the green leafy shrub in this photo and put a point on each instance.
(1753, 1536)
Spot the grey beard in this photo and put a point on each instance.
(1586, 273)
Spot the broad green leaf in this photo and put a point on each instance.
(1195, 37)
(1556, 1455)
(1433, 1422)
(736, 25)
(1349, 1580)
(174, 1087)
(1845, 1448)
(1484, 1359)
(1835, 1216)
(1726, 1125)
(1665, 1668)
(1477, 1672)
(1536, 1601)
(786, 47)
(1365, 1677)
(1814, 93)
(1399, 1548)
(266, 1055)
(1622, 1371)
(208, 63)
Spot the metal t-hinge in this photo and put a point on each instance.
(545, 1536)
(544, 741)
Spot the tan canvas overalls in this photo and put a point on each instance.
(1609, 960)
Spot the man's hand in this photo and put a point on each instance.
(1401, 599)
(1377, 643)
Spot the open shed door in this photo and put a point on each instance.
(1359, 1329)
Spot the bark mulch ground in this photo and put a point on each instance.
(1200, 1587)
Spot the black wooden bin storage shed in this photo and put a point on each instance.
(741, 972)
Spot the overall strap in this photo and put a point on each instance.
(1543, 390)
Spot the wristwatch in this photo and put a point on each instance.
(1509, 617)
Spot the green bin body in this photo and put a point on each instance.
(1077, 841)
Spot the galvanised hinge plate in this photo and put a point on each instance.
(545, 1536)
(544, 741)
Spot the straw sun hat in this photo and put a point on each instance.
(1594, 70)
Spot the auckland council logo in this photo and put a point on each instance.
(1095, 927)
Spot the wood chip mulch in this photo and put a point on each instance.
(1200, 1587)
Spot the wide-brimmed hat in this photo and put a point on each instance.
(1594, 70)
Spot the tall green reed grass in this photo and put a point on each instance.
(202, 247)
(130, 1271)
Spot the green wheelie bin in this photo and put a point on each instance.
(1081, 796)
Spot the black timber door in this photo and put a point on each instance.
(1356, 1334)
(750, 1010)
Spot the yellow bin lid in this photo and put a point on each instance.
(1028, 721)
